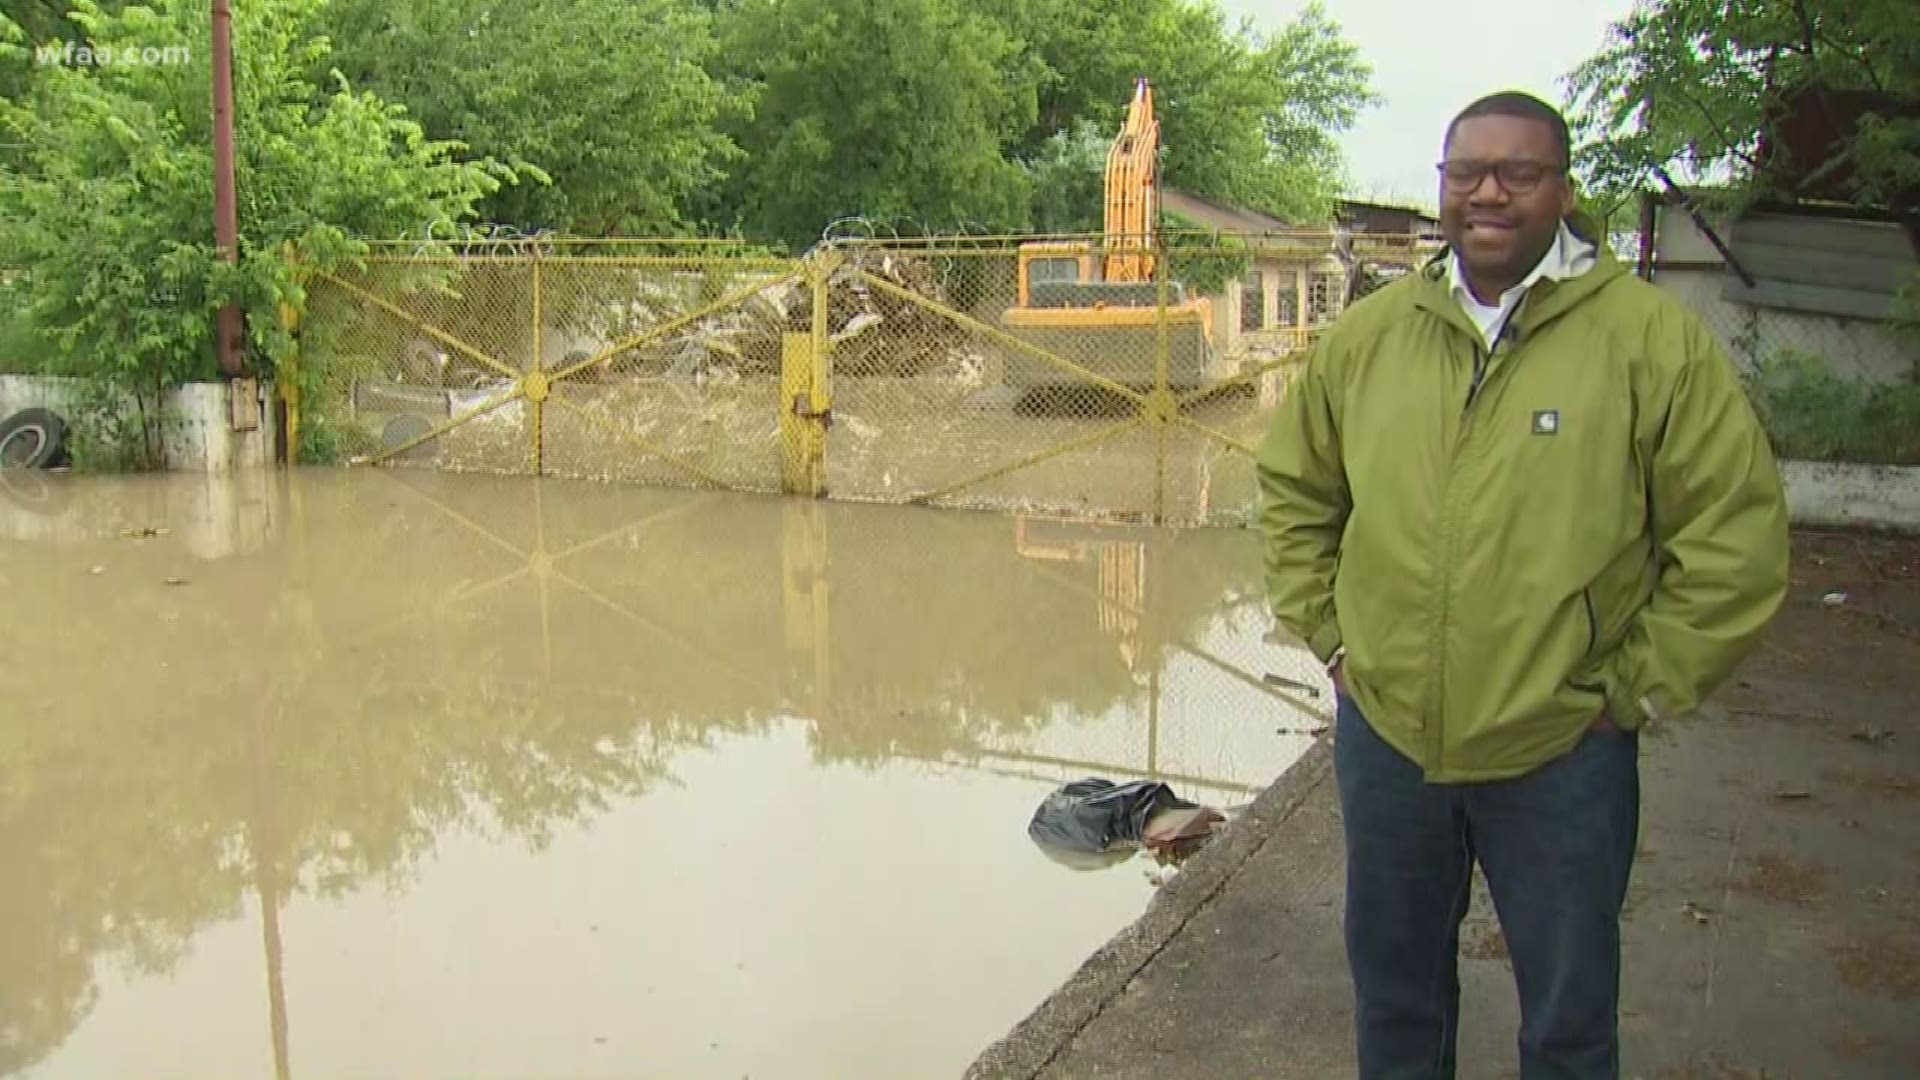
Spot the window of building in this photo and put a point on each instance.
(1288, 313)
(1323, 299)
(1253, 302)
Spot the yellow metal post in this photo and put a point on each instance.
(796, 358)
(536, 379)
(288, 374)
(805, 401)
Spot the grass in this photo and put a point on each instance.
(1812, 414)
(18, 350)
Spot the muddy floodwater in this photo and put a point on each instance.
(390, 773)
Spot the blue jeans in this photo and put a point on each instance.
(1556, 847)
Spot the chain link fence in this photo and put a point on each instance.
(651, 368)
(1758, 337)
(1054, 376)
(962, 381)
(1828, 388)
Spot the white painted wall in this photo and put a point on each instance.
(198, 436)
(30, 391)
(204, 440)
(1823, 493)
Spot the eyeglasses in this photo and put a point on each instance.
(1517, 177)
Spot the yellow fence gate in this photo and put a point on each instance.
(963, 371)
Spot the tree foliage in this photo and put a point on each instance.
(936, 116)
(1066, 176)
(1256, 122)
(612, 100)
(38, 22)
(895, 109)
(1689, 86)
(108, 208)
(1245, 118)
(768, 119)
(773, 118)
(1700, 92)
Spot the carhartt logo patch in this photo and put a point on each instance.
(1546, 421)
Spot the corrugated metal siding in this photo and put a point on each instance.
(1826, 266)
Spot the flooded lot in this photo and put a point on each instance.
(410, 774)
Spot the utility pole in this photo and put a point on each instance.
(226, 211)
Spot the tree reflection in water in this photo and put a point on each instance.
(410, 654)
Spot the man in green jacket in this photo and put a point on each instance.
(1521, 506)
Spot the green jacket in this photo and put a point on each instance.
(1601, 527)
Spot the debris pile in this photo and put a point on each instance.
(1093, 823)
(873, 331)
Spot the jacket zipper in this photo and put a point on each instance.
(1437, 739)
(1482, 356)
(1479, 373)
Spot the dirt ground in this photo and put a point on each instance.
(1772, 931)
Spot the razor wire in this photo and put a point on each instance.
(444, 237)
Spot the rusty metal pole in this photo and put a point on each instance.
(226, 211)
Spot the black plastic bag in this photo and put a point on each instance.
(1095, 815)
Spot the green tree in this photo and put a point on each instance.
(110, 206)
(1256, 122)
(40, 20)
(1245, 118)
(1068, 179)
(902, 110)
(1693, 91)
(611, 99)
(1690, 86)
(45, 22)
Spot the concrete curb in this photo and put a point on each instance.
(1828, 493)
(1033, 1044)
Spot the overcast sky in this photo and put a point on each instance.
(1430, 59)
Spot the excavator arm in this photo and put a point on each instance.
(1133, 191)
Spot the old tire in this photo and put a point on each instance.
(31, 439)
(403, 429)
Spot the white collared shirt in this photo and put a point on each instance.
(1569, 257)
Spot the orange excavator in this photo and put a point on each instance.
(1100, 308)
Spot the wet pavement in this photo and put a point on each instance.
(1772, 929)
(397, 773)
